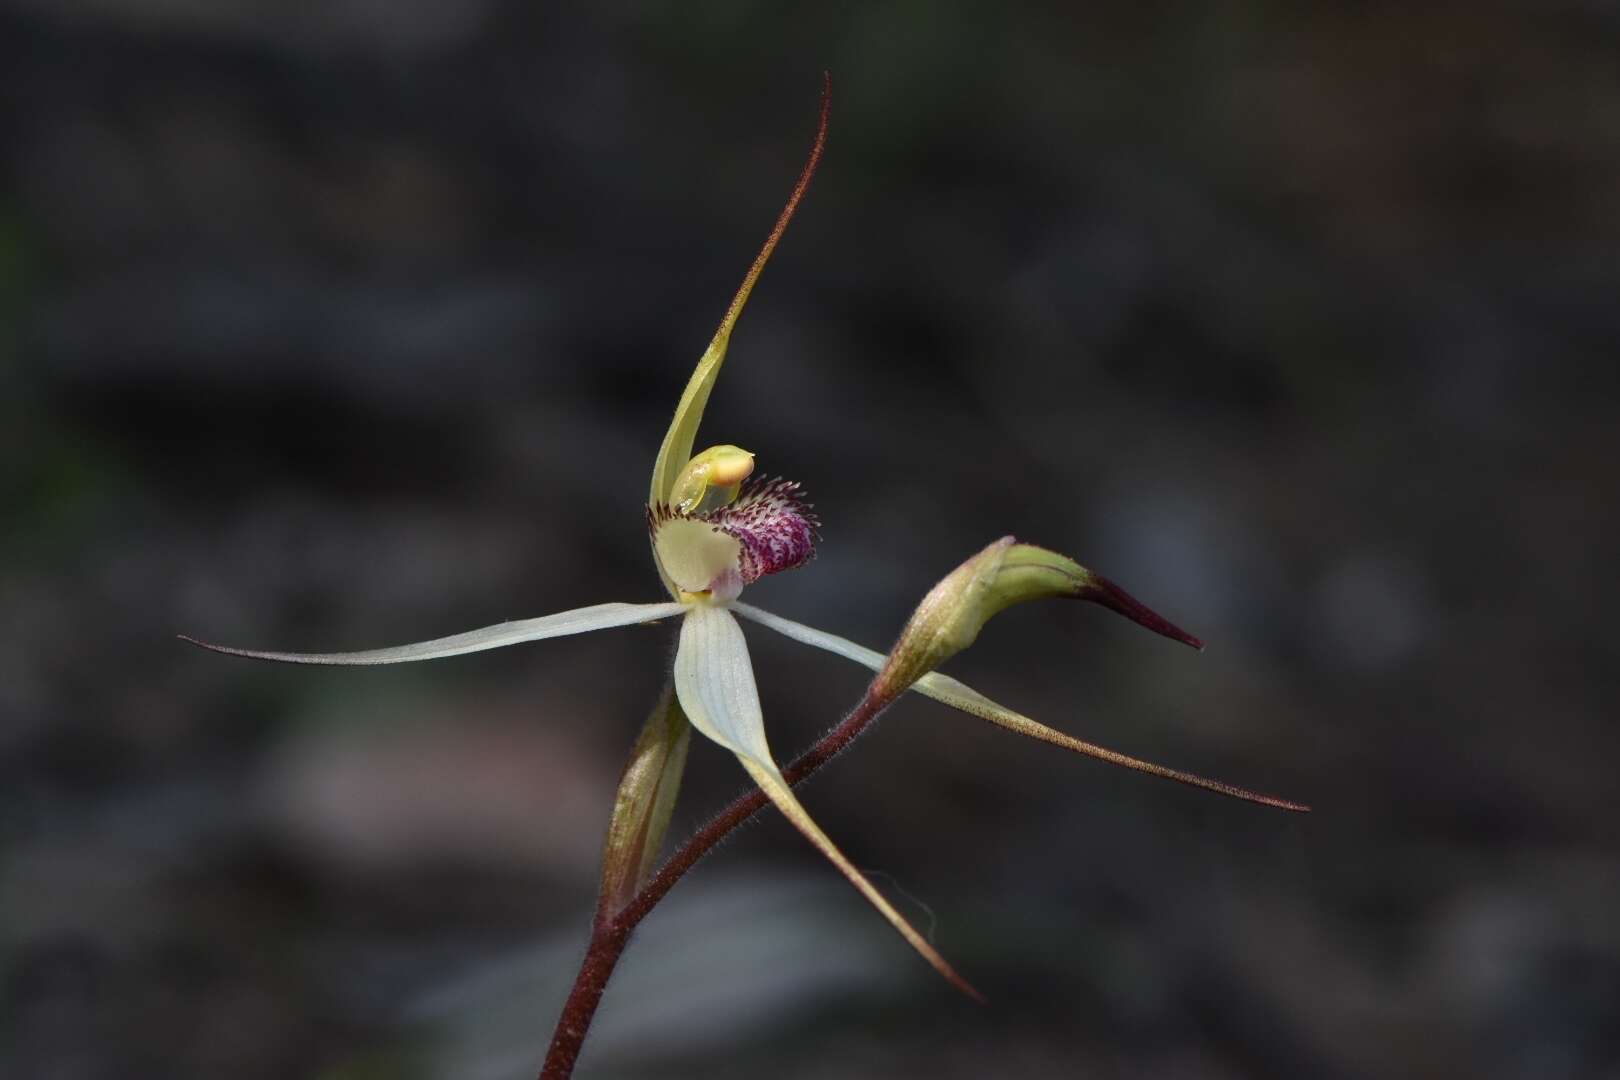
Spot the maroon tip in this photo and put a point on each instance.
(1113, 597)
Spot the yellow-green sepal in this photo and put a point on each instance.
(1005, 573)
(645, 801)
(676, 449)
(949, 618)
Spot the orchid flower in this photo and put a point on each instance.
(715, 529)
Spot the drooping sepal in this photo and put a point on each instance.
(714, 680)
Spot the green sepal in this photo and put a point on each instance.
(1005, 573)
(645, 801)
(676, 449)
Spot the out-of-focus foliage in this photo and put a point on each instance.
(1297, 322)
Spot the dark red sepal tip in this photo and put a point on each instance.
(1111, 596)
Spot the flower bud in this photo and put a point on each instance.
(949, 618)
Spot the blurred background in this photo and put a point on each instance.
(341, 325)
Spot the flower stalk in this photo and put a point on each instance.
(610, 936)
(714, 529)
(947, 620)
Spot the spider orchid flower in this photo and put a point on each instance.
(715, 529)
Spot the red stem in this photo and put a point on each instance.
(594, 971)
(611, 932)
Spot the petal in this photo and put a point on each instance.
(677, 445)
(714, 680)
(958, 695)
(577, 621)
(809, 635)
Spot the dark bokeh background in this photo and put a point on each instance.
(344, 324)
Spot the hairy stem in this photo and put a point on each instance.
(610, 931)
(601, 957)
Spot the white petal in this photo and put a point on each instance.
(809, 635)
(715, 682)
(959, 695)
(577, 621)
